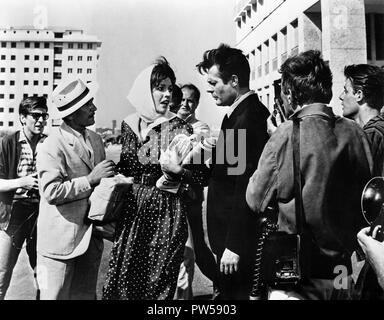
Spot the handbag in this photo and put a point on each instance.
(285, 258)
(108, 198)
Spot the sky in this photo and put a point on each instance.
(133, 34)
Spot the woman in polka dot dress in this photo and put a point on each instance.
(151, 235)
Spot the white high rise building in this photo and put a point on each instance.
(345, 31)
(33, 61)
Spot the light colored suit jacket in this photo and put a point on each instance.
(62, 165)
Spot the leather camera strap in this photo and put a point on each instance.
(300, 218)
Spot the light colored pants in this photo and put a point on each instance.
(73, 279)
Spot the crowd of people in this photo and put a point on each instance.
(46, 183)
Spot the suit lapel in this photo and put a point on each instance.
(77, 146)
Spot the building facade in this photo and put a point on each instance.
(33, 61)
(269, 31)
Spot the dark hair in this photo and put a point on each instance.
(31, 103)
(192, 87)
(161, 71)
(370, 80)
(177, 96)
(229, 61)
(308, 77)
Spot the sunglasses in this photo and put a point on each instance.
(36, 115)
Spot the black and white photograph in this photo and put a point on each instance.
(200, 152)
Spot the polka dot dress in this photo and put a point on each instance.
(152, 232)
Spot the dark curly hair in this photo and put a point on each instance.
(308, 77)
(370, 80)
(229, 61)
(161, 71)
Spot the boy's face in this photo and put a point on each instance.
(35, 121)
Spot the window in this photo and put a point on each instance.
(35, 82)
(3, 57)
(26, 57)
(13, 44)
(10, 124)
(89, 58)
(46, 58)
(2, 82)
(45, 82)
(2, 69)
(46, 70)
(46, 45)
(26, 70)
(90, 46)
(13, 57)
(79, 70)
(37, 45)
(1, 123)
(1, 109)
(70, 45)
(25, 95)
(70, 70)
(26, 82)
(70, 58)
(35, 70)
(11, 110)
(89, 71)
(79, 58)
(80, 46)
(11, 96)
(2, 97)
(36, 58)
(12, 82)
(27, 45)
(13, 70)
(3, 44)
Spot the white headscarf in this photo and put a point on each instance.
(140, 96)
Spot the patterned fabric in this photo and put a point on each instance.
(27, 163)
(151, 235)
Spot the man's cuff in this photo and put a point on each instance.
(83, 184)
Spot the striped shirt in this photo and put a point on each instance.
(27, 162)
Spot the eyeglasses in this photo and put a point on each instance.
(36, 115)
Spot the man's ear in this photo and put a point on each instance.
(22, 119)
(359, 96)
(235, 80)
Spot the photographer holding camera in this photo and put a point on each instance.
(335, 163)
(19, 195)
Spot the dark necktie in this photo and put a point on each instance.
(225, 121)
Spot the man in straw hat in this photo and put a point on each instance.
(71, 162)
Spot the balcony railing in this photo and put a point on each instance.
(266, 67)
(284, 56)
(295, 51)
(274, 64)
(240, 6)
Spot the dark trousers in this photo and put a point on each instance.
(236, 286)
(203, 254)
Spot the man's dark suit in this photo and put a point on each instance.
(230, 222)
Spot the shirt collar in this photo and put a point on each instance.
(23, 138)
(238, 101)
(77, 134)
